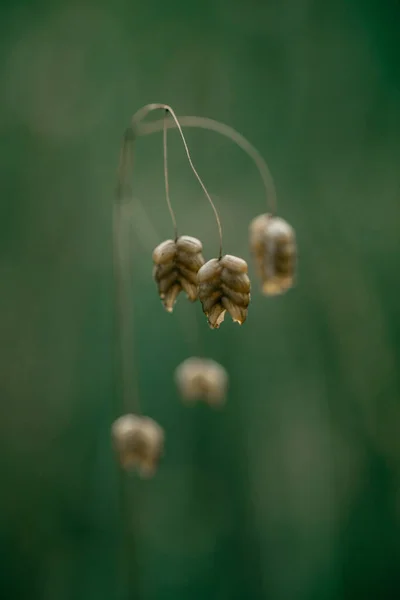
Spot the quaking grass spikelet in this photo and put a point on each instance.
(224, 286)
(138, 442)
(176, 264)
(202, 379)
(273, 245)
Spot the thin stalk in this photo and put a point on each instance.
(135, 129)
(165, 149)
(123, 281)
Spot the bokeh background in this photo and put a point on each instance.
(293, 490)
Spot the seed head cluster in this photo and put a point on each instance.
(221, 284)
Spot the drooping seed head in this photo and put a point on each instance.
(224, 286)
(175, 268)
(202, 379)
(138, 442)
(273, 245)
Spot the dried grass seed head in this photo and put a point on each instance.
(224, 286)
(176, 264)
(273, 245)
(202, 379)
(139, 443)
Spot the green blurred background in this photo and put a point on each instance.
(293, 491)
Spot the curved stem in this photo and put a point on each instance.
(136, 122)
(165, 149)
(227, 131)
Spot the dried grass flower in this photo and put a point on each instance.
(202, 379)
(176, 264)
(273, 245)
(139, 443)
(224, 286)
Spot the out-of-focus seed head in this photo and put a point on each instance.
(224, 286)
(175, 268)
(138, 442)
(202, 379)
(273, 245)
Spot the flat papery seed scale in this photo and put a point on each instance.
(224, 286)
(176, 264)
(138, 442)
(273, 245)
(202, 379)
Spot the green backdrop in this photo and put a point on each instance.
(293, 491)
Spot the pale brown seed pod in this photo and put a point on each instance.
(176, 264)
(224, 286)
(202, 379)
(273, 245)
(138, 442)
